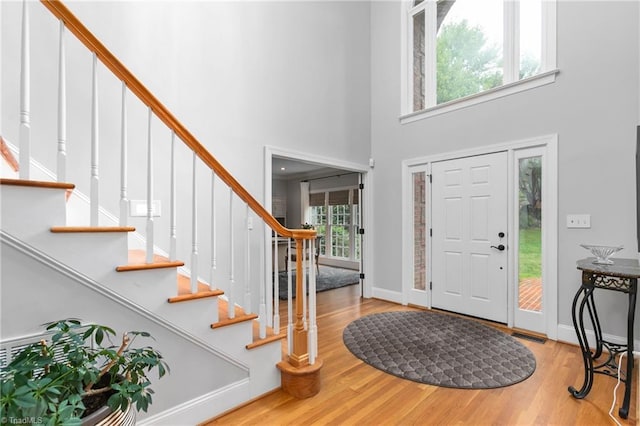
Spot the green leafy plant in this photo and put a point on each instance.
(57, 383)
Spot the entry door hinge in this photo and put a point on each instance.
(361, 186)
(361, 231)
(431, 232)
(430, 285)
(362, 275)
(430, 178)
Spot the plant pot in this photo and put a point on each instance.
(106, 417)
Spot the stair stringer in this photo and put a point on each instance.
(36, 289)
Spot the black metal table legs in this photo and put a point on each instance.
(584, 298)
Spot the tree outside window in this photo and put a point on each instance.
(465, 47)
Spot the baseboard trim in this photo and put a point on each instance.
(389, 295)
(202, 408)
(567, 334)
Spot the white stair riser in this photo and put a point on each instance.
(93, 254)
(29, 213)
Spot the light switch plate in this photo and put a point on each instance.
(138, 208)
(578, 221)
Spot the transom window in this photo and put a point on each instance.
(456, 49)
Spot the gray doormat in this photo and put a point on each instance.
(439, 349)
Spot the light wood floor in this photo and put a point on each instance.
(354, 393)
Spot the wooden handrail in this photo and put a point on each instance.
(8, 155)
(58, 9)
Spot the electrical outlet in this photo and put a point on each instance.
(578, 221)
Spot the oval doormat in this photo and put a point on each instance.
(439, 349)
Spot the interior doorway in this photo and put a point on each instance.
(328, 194)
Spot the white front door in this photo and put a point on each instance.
(469, 243)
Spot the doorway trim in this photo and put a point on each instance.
(550, 279)
(366, 251)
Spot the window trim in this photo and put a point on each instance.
(537, 80)
(547, 60)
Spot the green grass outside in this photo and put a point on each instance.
(530, 253)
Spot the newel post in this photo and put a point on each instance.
(300, 354)
(299, 378)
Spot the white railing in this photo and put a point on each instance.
(255, 278)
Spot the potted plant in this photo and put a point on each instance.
(61, 382)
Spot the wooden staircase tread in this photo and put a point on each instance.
(184, 290)
(37, 183)
(270, 337)
(223, 315)
(195, 296)
(77, 229)
(137, 262)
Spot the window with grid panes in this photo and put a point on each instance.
(334, 215)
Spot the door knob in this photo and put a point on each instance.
(500, 247)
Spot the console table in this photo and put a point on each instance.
(621, 276)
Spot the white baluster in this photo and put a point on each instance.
(173, 239)
(304, 284)
(215, 316)
(313, 327)
(230, 296)
(214, 234)
(62, 109)
(289, 302)
(194, 230)
(95, 180)
(25, 95)
(247, 263)
(262, 309)
(124, 202)
(149, 229)
(276, 282)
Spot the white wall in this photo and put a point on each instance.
(593, 107)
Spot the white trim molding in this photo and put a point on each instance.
(548, 143)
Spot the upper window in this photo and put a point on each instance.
(460, 48)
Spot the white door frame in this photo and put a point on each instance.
(366, 250)
(550, 279)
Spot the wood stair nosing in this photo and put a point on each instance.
(137, 262)
(270, 337)
(223, 315)
(145, 266)
(184, 290)
(89, 229)
(37, 183)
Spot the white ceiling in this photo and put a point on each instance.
(284, 168)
